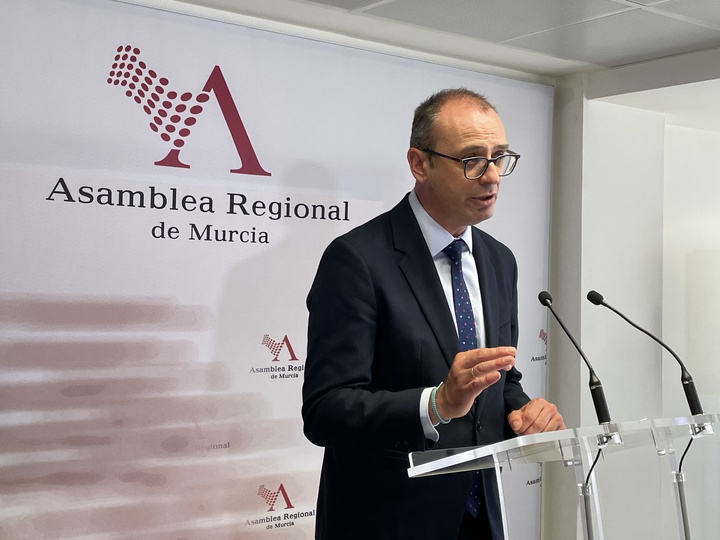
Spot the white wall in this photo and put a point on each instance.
(559, 500)
(622, 253)
(622, 259)
(691, 302)
(635, 217)
(618, 253)
(692, 264)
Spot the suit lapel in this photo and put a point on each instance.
(488, 291)
(419, 269)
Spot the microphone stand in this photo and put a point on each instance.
(693, 402)
(603, 415)
(687, 381)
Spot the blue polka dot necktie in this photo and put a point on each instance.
(467, 338)
(461, 298)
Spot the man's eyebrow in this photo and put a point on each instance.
(479, 149)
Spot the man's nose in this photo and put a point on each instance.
(491, 175)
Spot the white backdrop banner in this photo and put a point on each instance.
(168, 185)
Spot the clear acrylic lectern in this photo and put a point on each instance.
(580, 448)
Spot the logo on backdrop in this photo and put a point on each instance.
(290, 369)
(277, 346)
(173, 113)
(278, 521)
(543, 357)
(543, 336)
(271, 497)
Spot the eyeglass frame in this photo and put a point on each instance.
(465, 161)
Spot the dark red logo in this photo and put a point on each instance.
(277, 346)
(271, 497)
(543, 335)
(173, 113)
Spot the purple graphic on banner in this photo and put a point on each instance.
(174, 113)
(271, 497)
(277, 346)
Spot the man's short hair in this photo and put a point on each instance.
(421, 135)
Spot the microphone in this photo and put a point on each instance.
(687, 381)
(596, 389)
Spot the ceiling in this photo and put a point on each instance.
(557, 37)
(542, 38)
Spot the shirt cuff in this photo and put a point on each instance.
(427, 425)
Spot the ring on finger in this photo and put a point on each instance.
(472, 370)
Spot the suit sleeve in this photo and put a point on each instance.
(341, 405)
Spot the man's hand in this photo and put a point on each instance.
(536, 416)
(471, 372)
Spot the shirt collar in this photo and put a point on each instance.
(436, 237)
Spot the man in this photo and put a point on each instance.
(388, 324)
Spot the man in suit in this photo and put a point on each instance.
(396, 364)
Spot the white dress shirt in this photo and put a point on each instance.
(437, 239)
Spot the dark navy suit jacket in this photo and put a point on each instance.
(380, 331)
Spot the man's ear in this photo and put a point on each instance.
(418, 164)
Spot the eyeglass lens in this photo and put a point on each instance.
(475, 168)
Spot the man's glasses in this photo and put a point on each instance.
(475, 167)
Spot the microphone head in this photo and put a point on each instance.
(545, 298)
(595, 297)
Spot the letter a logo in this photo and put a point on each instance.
(271, 497)
(173, 114)
(277, 346)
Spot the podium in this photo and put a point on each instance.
(580, 448)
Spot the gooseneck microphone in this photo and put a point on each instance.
(687, 381)
(596, 389)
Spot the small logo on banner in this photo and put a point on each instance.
(173, 113)
(280, 370)
(544, 337)
(277, 346)
(278, 520)
(271, 497)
